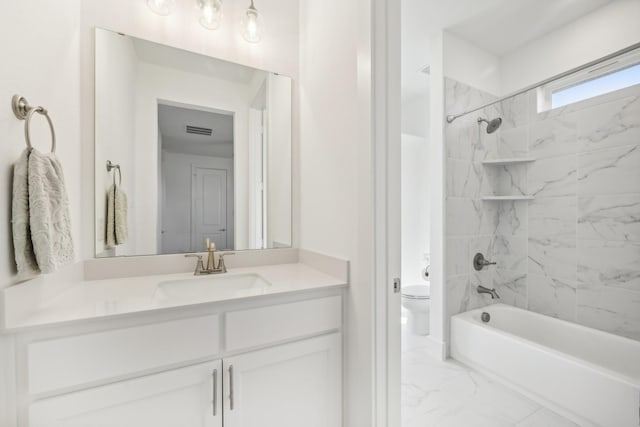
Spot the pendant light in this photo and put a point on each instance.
(210, 13)
(252, 25)
(162, 7)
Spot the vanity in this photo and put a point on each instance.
(260, 345)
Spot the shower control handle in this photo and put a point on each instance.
(480, 262)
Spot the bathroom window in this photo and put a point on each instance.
(614, 75)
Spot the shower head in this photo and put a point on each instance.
(492, 125)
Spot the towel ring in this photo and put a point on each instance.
(110, 167)
(24, 111)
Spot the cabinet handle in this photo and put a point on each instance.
(215, 392)
(231, 387)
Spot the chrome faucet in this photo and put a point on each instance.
(482, 290)
(200, 268)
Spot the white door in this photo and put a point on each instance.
(293, 385)
(209, 207)
(186, 397)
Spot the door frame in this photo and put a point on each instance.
(386, 128)
(386, 108)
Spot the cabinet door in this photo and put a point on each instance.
(291, 385)
(186, 397)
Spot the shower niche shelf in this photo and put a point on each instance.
(508, 161)
(506, 198)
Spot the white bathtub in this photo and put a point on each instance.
(590, 376)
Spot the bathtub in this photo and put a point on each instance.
(589, 376)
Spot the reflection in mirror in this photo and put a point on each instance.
(203, 148)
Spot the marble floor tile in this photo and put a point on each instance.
(448, 394)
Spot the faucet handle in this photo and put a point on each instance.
(221, 265)
(480, 262)
(199, 263)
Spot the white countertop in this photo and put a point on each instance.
(92, 299)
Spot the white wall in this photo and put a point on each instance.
(39, 45)
(156, 83)
(279, 161)
(176, 174)
(116, 67)
(416, 114)
(415, 208)
(471, 64)
(336, 171)
(593, 36)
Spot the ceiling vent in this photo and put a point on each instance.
(199, 131)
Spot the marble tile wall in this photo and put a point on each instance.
(574, 251)
(496, 229)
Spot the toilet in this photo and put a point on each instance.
(417, 299)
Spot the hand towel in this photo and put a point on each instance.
(49, 218)
(22, 247)
(117, 225)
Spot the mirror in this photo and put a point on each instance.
(188, 148)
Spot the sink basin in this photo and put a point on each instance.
(211, 288)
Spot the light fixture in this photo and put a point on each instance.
(210, 13)
(251, 25)
(210, 16)
(162, 7)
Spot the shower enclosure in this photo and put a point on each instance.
(552, 195)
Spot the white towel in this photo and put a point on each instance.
(49, 216)
(22, 247)
(40, 215)
(117, 225)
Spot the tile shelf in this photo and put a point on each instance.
(508, 161)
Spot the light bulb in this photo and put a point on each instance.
(162, 7)
(210, 13)
(252, 25)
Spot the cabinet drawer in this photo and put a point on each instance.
(66, 362)
(260, 326)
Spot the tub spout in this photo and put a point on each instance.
(482, 290)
